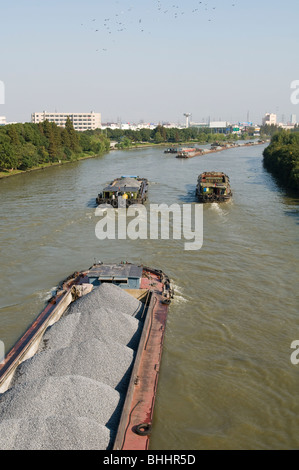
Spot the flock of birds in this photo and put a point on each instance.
(113, 24)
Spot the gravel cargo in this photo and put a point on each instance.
(70, 394)
(106, 362)
(110, 297)
(53, 433)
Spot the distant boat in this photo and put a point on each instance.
(171, 150)
(130, 188)
(213, 186)
(189, 152)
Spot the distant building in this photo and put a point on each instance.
(128, 126)
(199, 125)
(2, 120)
(270, 119)
(293, 119)
(219, 127)
(287, 127)
(81, 121)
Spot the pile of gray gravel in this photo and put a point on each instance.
(111, 298)
(53, 433)
(70, 394)
(106, 362)
(99, 323)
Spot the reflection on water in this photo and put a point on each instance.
(226, 379)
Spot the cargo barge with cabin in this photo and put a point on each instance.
(85, 373)
(213, 186)
(189, 153)
(131, 189)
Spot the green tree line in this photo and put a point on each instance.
(281, 158)
(161, 134)
(28, 145)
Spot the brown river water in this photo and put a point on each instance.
(226, 378)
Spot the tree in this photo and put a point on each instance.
(29, 157)
(23, 146)
(281, 158)
(158, 138)
(8, 160)
(14, 137)
(52, 148)
(74, 141)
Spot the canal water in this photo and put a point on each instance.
(227, 380)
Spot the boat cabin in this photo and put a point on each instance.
(127, 276)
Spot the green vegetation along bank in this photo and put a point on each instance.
(127, 138)
(281, 158)
(27, 146)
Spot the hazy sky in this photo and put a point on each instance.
(135, 60)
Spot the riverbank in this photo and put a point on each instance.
(26, 147)
(281, 159)
(43, 166)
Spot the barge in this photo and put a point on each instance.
(37, 359)
(189, 153)
(213, 186)
(126, 189)
(171, 150)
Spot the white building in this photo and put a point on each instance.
(219, 127)
(2, 120)
(218, 124)
(293, 119)
(270, 119)
(128, 126)
(287, 127)
(81, 121)
(198, 124)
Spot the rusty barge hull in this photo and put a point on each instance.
(189, 154)
(136, 421)
(137, 414)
